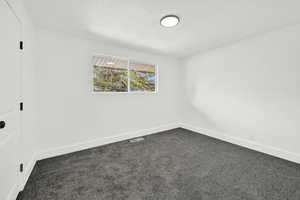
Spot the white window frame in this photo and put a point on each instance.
(128, 76)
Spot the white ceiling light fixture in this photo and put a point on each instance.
(169, 21)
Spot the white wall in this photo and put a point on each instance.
(248, 90)
(70, 113)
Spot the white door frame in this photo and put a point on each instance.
(19, 153)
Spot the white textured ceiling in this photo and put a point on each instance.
(205, 24)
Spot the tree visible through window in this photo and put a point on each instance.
(119, 75)
(142, 77)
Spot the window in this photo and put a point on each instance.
(142, 77)
(111, 74)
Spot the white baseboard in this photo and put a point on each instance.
(81, 146)
(12, 195)
(128, 135)
(23, 180)
(27, 171)
(103, 141)
(277, 152)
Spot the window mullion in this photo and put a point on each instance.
(128, 77)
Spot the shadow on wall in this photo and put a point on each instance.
(196, 112)
(249, 90)
(222, 106)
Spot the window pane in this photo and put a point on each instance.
(142, 77)
(110, 74)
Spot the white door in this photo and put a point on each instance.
(10, 70)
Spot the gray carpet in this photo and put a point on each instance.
(172, 165)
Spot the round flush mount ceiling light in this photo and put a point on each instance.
(169, 21)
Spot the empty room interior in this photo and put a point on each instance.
(150, 100)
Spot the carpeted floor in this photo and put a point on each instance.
(172, 165)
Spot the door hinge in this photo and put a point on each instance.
(21, 106)
(21, 45)
(21, 167)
